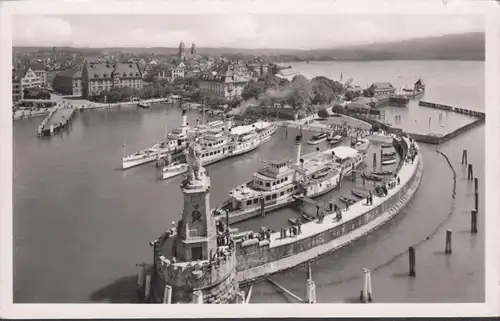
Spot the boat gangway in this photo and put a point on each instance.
(58, 119)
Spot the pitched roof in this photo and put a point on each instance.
(36, 66)
(18, 73)
(382, 85)
(70, 73)
(105, 70)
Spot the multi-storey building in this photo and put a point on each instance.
(225, 80)
(17, 92)
(39, 70)
(381, 89)
(68, 82)
(103, 76)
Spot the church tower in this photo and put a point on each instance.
(193, 48)
(181, 51)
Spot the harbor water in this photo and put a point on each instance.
(81, 223)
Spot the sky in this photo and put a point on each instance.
(238, 31)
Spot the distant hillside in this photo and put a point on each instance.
(468, 46)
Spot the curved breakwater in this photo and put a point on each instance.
(261, 259)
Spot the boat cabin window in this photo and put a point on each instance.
(268, 185)
(274, 196)
(282, 193)
(249, 202)
(256, 200)
(268, 197)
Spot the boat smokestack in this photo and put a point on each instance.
(229, 123)
(184, 118)
(298, 148)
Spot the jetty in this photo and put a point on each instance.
(57, 120)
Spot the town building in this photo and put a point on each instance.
(381, 88)
(103, 76)
(225, 80)
(68, 82)
(39, 70)
(17, 92)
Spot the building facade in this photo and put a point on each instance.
(39, 70)
(102, 76)
(382, 88)
(68, 82)
(226, 80)
(17, 92)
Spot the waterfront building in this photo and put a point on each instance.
(39, 70)
(68, 82)
(17, 93)
(381, 89)
(225, 80)
(27, 78)
(104, 76)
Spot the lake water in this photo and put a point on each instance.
(81, 224)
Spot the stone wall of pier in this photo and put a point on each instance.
(257, 259)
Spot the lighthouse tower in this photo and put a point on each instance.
(195, 261)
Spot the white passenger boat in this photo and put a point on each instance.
(361, 144)
(318, 138)
(172, 142)
(337, 139)
(144, 104)
(217, 146)
(279, 183)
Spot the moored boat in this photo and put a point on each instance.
(383, 173)
(217, 146)
(279, 183)
(361, 144)
(337, 139)
(318, 138)
(386, 162)
(381, 138)
(371, 177)
(360, 192)
(143, 104)
(347, 200)
(390, 154)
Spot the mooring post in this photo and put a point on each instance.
(464, 157)
(366, 293)
(330, 206)
(197, 297)
(363, 181)
(311, 286)
(147, 288)
(473, 223)
(447, 249)
(470, 173)
(476, 184)
(167, 295)
(476, 201)
(374, 161)
(411, 252)
(262, 207)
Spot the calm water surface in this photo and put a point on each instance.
(81, 224)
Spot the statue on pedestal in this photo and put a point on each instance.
(194, 162)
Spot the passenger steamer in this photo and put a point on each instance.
(277, 184)
(172, 141)
(218, 145)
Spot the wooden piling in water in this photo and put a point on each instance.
(167, 295)
(476, 184)
(366, 293)
(476, 201)
(464, 157)
(262, 207)
(374, 161)
(411, 252)
(447, 249)
(470, 173)
(473, 222)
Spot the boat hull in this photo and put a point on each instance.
(316, 142)
(126, 164)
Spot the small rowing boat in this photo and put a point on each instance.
(307, 218)
(347, 200)
(389, 161)
(371, 177)
(386, 145)
(294, 221)
(383, 173)
(360, 192)
(391, 154)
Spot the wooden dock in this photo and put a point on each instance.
(57, 120)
